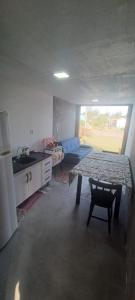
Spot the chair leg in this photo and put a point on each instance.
(111, 211)
(90, 212)
(109, 220)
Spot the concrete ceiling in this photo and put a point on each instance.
(94, 41)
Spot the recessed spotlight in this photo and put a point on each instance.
(61, 75)
(95, 100)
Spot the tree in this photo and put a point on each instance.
(91, 114)
(100, 121)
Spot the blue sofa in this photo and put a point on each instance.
(74, 151)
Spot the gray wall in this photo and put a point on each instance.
(130, 147)
(130, 268)
(30, 113)
(64, 119)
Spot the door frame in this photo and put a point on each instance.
(126, 130)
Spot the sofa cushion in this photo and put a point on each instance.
(73, 151)
(71, 158)
(82, 152)
(70, 145)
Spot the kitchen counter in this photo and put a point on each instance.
(39, 156)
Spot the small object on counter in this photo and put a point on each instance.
(23, 151)
(49, 143)
(27, 151)
(19, 152)
(57, 154)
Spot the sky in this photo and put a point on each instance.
(107, 109)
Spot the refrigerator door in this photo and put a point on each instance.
(8, 218)
(5, 144)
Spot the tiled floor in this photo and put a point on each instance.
(53, 255)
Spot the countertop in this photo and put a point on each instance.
(39, 156)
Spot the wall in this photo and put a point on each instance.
(130, 262)
(130, 147)
(130, 267)
(30, 113)
(64, 119)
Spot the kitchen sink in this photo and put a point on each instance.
(25, 160)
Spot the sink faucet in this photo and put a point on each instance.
(19, 152)
(25, 151)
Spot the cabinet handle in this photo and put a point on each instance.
(47, 171)
(48, 163)
(27, 177)
(30, 176)
(47, 178)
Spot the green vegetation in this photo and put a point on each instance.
(107, 143)
(100, 121)
(95, 119)
(100, 130)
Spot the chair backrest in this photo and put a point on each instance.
(101, 185)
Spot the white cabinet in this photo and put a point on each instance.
(34, 182)
(46, 171)
(28, 181)
(21, 186)
(56, 153)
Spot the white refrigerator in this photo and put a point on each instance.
(8, 218)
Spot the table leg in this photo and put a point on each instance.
(78, 193)
(117, 203)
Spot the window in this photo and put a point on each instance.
(103, 127)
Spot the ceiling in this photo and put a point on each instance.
(94, 41)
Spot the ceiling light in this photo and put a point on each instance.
(61, 75)
(95, 100)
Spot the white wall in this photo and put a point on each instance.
(30, 113)
(130, 147)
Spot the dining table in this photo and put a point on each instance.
(107, 167)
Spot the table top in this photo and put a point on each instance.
(112, 168)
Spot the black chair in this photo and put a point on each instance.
(102, 195)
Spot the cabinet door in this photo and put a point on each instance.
(46, 171)
(34, 178)
(21, 186)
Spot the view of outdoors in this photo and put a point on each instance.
(103, 126)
